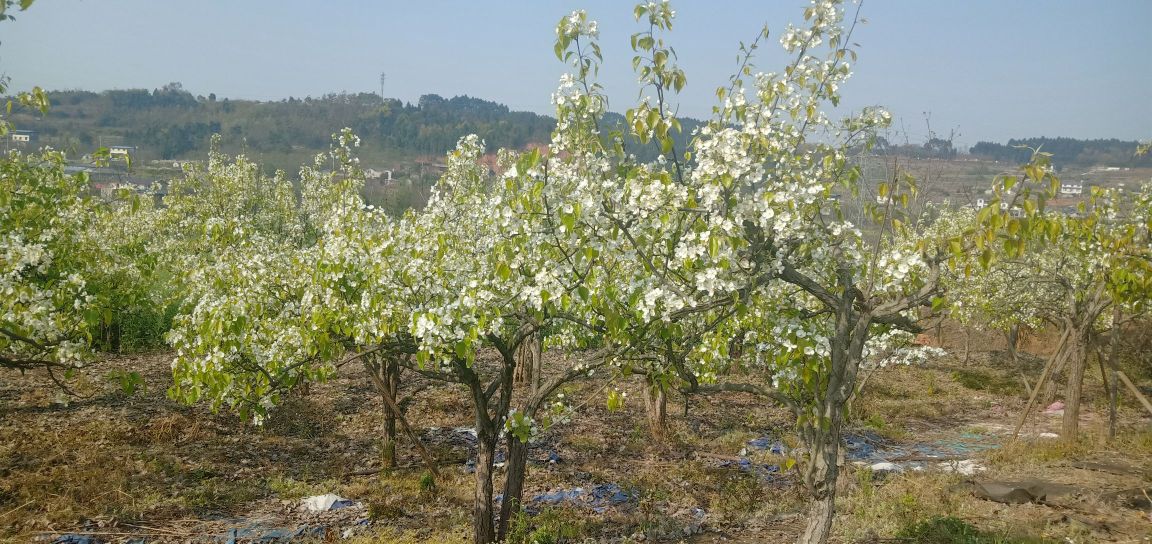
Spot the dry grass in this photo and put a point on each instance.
(117, 460)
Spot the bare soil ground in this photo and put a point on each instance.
(140, 468)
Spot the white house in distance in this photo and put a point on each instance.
(121, 151)
(375, 174)
(24, 137)
(1072, 189)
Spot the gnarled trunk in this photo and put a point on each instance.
(1052, 385)
(1114, 381)
(1078, 362)
(967, 344)
(1012, 336)
(392, 381)
(823, 432)
(482, 512)
(656, 404)
(513, 483)
(529, 363)
(820, 477)
(821, 512)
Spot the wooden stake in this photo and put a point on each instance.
(429, 460)
(1059, 354)
(1027, 388)
(1135, 391)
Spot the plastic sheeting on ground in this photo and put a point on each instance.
(324, 503)
(599, 497)
(75, 539)
(870, 447)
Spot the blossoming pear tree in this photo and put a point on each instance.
(1081, 264)
(744, 229)
(67, 262)
(46, 308)
(585, 246)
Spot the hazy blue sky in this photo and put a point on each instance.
(991, 69)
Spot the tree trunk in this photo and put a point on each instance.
(529, 357)
(1053, 383)
(1113, 355)
(1072, 392)
(1056, 359)
(656, 402)
(821, 512)
(967, 344)
(377, 373)
(820, 477)
(822, 432)
(513, 483)
(392, 381)
(483, 529)
(1013, 338)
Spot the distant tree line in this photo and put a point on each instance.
(1065, 151)
(172, 123)
(934, 148)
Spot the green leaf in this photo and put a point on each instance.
(583, 293)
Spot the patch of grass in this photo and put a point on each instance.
(290, 489)
(399, 494)
(951, 530)
(585, 443)
(550, 526)
(739, 494)
(1041, 450)
(64, 474)
(986, 380)
(223, 495)
(929, 507)
(730, 442)
(882, 427)
(972, 379)
(456, 535)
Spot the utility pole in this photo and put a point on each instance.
(383, 76)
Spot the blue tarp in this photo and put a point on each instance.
(264, 534)
(75, 539)
(599, 498)
(766, 443)
(869, 446)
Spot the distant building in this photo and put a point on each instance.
(1071, 189)
(25, 137)
(121, 151)
(373, 173)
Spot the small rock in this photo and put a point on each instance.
(886, 467)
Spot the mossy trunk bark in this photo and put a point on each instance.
(656, 404)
